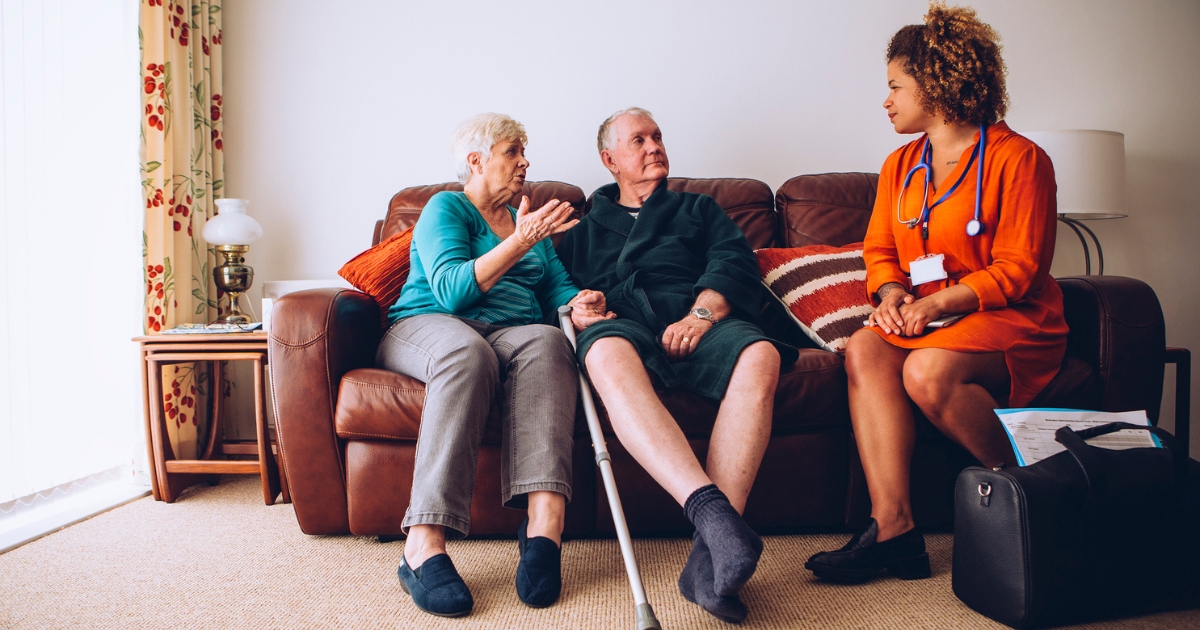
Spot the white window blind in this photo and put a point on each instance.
(70, 243)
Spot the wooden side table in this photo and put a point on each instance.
(170, 475)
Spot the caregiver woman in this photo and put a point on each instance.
(467, 324)
(981, 197)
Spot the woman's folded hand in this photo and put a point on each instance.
(888, 315)
(918, 315)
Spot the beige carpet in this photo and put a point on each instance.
(218, 558)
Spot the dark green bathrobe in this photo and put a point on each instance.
(652, 268)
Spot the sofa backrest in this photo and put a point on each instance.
(829, 209)
(406, 205)
(747, 201)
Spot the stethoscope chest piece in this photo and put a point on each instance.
(974, 227)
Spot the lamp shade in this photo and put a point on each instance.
(1089, 167)
(232, 226)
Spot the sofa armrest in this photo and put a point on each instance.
(316, 337)
(1117, 326)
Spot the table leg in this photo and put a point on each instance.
(266, 462)
(158, 430)
(215, 428)
(150, 459)
(170, 485)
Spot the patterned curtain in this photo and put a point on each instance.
(182, 173)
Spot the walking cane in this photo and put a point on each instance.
(645, 613)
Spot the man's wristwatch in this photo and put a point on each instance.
(702, 313)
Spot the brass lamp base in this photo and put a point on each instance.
(233, 276)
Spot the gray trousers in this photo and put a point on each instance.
(464, 364)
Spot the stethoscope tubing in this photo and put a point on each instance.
(974, 226)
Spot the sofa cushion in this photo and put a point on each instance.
(405, 206)
(829, 209)
(1076, 386)
(376, 404)
(824, 289)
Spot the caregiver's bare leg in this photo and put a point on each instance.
(958, 391)
(884, 428)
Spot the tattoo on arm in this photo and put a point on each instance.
(886, 289)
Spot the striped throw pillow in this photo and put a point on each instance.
(381, 271)
(823, 288)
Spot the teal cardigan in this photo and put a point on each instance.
(448, 237)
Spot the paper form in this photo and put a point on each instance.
(1031, 431)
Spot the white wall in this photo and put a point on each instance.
(332, 109)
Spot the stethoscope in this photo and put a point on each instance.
(974, 226)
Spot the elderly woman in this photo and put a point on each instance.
(964, 223)
(467, 323)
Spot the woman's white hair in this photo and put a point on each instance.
(479, 134)
(607, 136)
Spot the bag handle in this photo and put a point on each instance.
(1085, 454)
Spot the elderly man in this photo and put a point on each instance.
(684, 285)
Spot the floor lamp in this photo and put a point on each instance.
(1089, 167)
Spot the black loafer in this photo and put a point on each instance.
(862, 558)
(436, 587)
(539, 573)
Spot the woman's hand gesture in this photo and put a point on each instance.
(552, 218)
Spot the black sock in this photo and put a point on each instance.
(734, 547)
(696, 586)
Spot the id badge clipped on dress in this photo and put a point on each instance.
(927, 268)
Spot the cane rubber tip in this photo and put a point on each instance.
(646, 619)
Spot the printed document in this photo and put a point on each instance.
(1031, 431)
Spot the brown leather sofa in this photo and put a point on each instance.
(348, 431)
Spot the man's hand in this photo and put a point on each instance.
(587, 308)
(681, 338)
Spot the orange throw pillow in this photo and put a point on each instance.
(381, 271)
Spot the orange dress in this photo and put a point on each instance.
(1007, 265)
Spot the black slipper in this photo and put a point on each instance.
(436, 587)
(539, 574)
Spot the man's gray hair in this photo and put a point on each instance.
(479, 134)
(606, 138)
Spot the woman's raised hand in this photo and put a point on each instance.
(552, 218)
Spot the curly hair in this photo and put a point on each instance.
(956, 62)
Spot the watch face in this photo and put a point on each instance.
(702, 313)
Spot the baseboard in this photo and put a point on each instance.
(66, 512)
